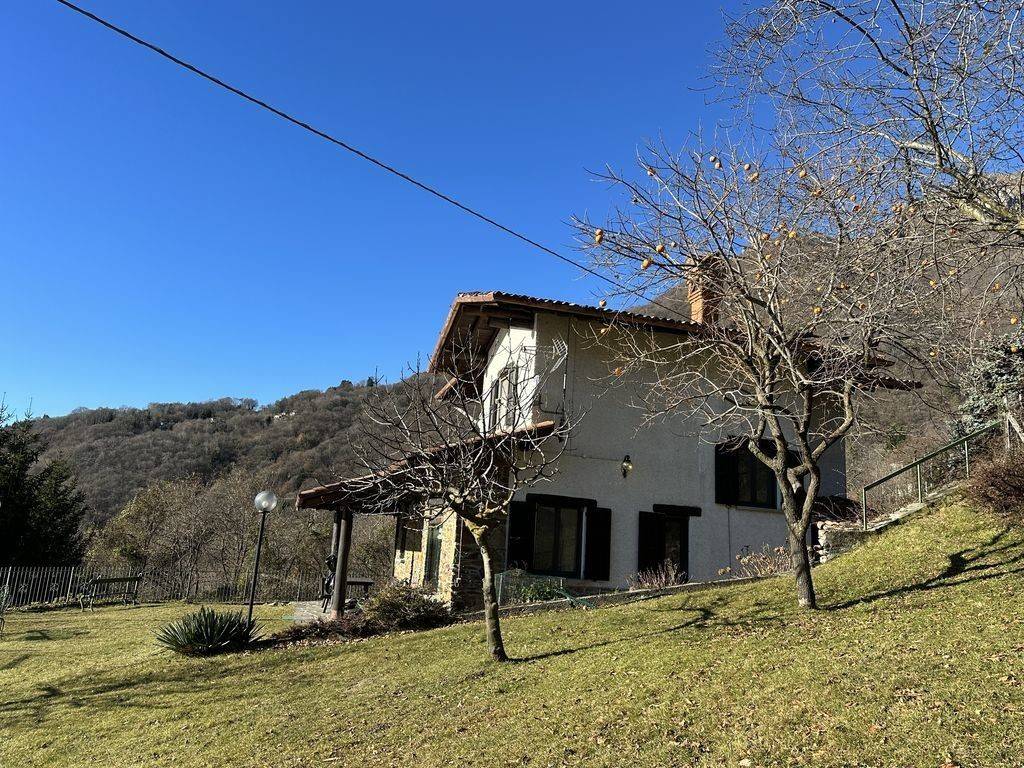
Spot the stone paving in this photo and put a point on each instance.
(306, 611)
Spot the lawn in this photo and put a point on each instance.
(916, 661)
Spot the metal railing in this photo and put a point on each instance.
(516, 586)
(916, 466)
(61, 585)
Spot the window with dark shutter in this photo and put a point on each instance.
(741, 479)
(597, 564)
(650, 542)
(664, 536)
(520, 535)
(725, 475)
(545, 535)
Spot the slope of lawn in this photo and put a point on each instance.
(915, 662)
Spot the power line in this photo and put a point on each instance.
(354, 150)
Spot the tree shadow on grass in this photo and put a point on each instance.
(135, 689)
(970, 565)
(705, 617)
(37, 635)
(17, 661)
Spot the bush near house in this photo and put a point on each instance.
(395, 608)
(998, 486)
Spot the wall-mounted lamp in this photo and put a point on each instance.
(627, 465)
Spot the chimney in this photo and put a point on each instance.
(703, 302)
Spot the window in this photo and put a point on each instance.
(546, 536)
(409, 533)
(432, 564)
(743, 480)
(504, 399)
(556, 539)
(665, 535)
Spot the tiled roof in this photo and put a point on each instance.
(572, 307)
(500, 299)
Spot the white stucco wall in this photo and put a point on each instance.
(513, 347)
(672, 463)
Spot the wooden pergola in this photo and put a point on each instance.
(344, 499)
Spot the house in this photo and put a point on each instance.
(627, 496)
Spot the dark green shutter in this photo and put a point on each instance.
(599, 544)
(520, 535)
(651, 541)
(725, 475)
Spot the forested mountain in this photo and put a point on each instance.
(296, 441)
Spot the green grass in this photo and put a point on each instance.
(916, 661)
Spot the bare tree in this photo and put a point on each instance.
(932, 89)
(811, 287)
(441, 441)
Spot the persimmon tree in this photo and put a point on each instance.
(870, 236)
(932, 90)
(439, 440)
(813, 284)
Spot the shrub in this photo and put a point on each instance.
(394, 608)
(539, 591)
(323, 630)
(665, 575)
(997, 486)
(770, 561)
(207, 632)
(836, 509)
(399, 606)
(518, 586)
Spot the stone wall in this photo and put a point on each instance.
(467, 570)
(460, 570)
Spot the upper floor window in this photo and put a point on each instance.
(742, 480)
(504, 399)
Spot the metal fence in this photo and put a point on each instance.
(61, 585)
(941, 468)
(515, 587)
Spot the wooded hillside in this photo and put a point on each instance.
(300, 439)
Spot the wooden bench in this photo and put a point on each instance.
(122, 588)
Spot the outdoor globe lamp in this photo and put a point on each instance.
(265, 503)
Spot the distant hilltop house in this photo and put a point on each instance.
(627, 496)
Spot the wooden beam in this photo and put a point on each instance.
(334, 534)
(341, 565)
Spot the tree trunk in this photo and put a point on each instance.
(495, 643)
(794, 501)
(801, 560)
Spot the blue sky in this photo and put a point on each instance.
(163, 240)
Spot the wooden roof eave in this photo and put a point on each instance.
(351, 493)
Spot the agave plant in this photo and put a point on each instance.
(207, 632)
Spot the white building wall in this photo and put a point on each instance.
(672, 464)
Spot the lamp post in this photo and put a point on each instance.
(266, 502)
